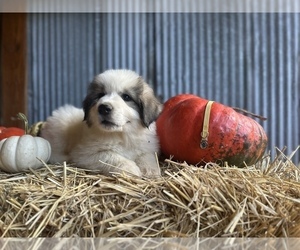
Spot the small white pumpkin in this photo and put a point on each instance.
(19, 153)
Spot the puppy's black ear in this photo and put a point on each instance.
(150, 106)
(89, 101)
(87, 104)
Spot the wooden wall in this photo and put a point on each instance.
(13, 76)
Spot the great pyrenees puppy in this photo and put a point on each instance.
(114, 132)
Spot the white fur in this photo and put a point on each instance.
(125, 146)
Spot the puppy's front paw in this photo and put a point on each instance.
(129, 167)
(152, 171)
(149, 166)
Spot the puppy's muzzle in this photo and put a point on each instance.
(105, 109)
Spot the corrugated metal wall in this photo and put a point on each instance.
(245, 60)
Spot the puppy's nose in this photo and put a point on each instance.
(105, 109)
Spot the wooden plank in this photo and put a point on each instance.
(13, 67)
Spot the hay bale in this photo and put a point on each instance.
(187, 201)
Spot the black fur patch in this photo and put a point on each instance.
(95, 92)
(149, 106)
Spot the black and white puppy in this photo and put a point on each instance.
(114, 132)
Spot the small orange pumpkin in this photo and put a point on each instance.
(232, 136)
(6, 132)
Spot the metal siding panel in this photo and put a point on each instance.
(194, 50)
(247, 60)
(202, 58)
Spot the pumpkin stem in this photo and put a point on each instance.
(23, 118)
(247, 113)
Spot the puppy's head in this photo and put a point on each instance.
(117, 98)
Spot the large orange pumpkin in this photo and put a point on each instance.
(232, 136)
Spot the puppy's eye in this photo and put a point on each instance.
(100, 95)
(126, 98)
